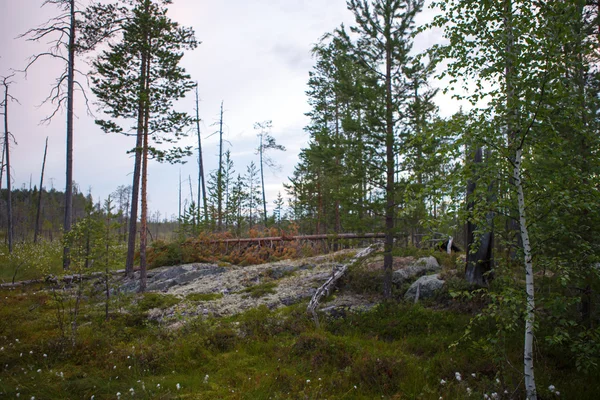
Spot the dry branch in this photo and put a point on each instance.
(338, 272)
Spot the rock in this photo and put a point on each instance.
(419, 268)
(427, 285)
(162, 279)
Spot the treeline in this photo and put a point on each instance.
(25, 206)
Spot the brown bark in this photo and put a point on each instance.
(389, 187)
(144, 213)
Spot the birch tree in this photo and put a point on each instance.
(514, 62)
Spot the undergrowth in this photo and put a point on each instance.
(395, 350)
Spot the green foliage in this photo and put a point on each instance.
(149, 301)
(391, 351)
(204, 296)
(29, 261)
(261, 290)
(162, 254)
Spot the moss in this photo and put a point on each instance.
(156, 300)
(261, 290)
(203, 296)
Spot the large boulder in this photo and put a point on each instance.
(419, 268)
(427, 286)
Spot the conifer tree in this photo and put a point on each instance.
(139, 77)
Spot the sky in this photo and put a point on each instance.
(255, 56)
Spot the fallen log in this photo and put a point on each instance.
(303, 237)
(54, 279)
(338, 272)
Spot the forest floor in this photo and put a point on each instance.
(217, 331)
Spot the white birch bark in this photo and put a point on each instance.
(530, 312)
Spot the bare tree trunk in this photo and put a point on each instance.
(530, 314)
(136, 171)
(201, 181)
(8, 183)
(179, 201)
(262, 180)
(144, 216)
(69, 170)
(39, 205)
(220, 175)
(479, 260)
(390, 186)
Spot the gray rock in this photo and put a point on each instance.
(162, 279)
(420, 267)
(427, 286)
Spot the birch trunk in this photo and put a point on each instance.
(530, 311)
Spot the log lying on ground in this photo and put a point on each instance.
(64, 278)
(303, 237)
(338, 272)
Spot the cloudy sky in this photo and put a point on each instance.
(255, 56)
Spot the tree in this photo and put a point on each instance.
(278, 211)
(520, 63)
(201, 180)
(39, 205)
(6, 82)
(64, 29)
(267, 142)
(385, 28)
(139, 77)
(253, 196)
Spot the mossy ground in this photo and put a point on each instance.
(394, 351)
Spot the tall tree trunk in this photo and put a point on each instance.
(144, 216)
(479, 259)
(39, 205)
(530, 313)
(389, 186)
(337, 223)
(136, 172)
(69, 170)
(262, 180)
(8, 183)
(220, 176)
(146, 133)
(201, 181)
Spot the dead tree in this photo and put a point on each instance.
(39, 205)
(6, 82)
(61, 32)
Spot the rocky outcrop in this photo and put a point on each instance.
(419, 268)
(294, 280)
(426, 286)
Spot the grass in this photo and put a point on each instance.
(204, 296)
(261, 290)
(393, 351)
(29, 261)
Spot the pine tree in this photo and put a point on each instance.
(139, 77)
